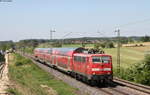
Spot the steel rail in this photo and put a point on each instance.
(132, 85)
(139, 85)
(105, 91)
(119, 91)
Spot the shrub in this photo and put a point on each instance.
(140, 72)
(104, 45)
(57, 44)
(18, 63)
(109, 45)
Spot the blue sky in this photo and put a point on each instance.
(25, 19)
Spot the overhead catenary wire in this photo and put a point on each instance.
(133, 23)
(62, 39)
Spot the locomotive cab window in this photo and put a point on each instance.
(102, 59)
(105, 59)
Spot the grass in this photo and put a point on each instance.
(31, 80)
(29, 50)
(13, 91)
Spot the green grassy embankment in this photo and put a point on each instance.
(29, 79)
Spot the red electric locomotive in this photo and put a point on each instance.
(79, 62)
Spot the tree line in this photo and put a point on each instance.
(104, 42)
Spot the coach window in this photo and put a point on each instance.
(75, 58)
(50, 51)
(83, 59)
(79, 59)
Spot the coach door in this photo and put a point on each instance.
(87, 67)
(53, 60)
(69, 62)
(83, 65)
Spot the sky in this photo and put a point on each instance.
(33, 19)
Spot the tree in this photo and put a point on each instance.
(109, 45)
(5, 45)
(96, 46)
(145, 38)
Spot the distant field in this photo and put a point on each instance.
(129, 55)
(133, 44)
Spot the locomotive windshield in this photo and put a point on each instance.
(100, 59)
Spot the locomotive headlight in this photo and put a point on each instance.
(95, 69)
(107, 69)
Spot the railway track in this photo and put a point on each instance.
(117, 87)
(139, 87)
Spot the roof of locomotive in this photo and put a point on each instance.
(89, 54)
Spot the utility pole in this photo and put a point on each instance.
(51, 32)
(118, 50)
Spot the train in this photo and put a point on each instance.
(88, 65)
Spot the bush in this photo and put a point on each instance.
(57, 44)
(104, 45)
(109, 45)
(96, 46)
(143, 71)
(140, 72)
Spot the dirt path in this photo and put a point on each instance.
(4, 81)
